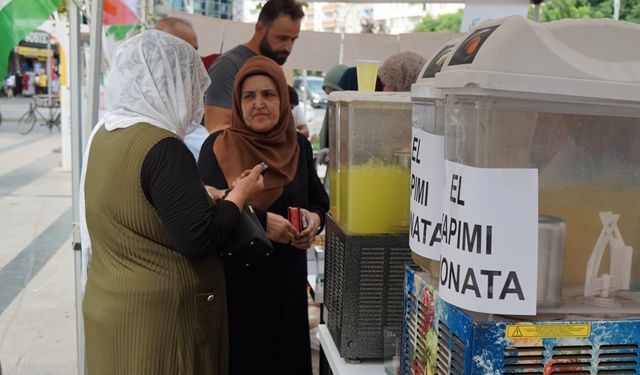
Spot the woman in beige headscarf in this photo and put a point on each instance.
(155, 296)
(400, 71)
(268, 321)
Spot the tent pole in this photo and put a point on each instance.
(93, 70)
(80, 131)
(75, 81)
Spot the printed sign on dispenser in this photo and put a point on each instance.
(489, 245)
(427, 180)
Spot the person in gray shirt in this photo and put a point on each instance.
(275, 33)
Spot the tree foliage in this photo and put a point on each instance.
(370, 26)
(445, 22)
(62, 7)
(552, 10)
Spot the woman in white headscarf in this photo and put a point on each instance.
(155, 296)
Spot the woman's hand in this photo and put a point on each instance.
(247, 186)
(214, 193)
(280, 229)
(244, 174)
(306, 237)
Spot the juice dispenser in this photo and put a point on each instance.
(427, 165)
(540, 267)
(370, 161)
(333, 108)
(366, 244)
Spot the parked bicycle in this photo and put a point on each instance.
(28, 120)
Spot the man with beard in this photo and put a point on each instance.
(276, 31)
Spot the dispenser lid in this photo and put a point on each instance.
(591, 58)
(424, 87)
(378, 96)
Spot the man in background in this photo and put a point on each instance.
(183, 29)
(9, 84)
(180, 28)
(275, 33)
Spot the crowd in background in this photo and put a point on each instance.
(31, 82)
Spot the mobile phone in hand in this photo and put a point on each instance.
(263, 167)
(297, 218)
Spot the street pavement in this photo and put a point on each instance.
(37, 281)
(13, 108)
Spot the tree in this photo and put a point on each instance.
(369, 26)
(62, 7)
(445, 22)
(552, 10)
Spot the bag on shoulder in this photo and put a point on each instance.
(248, 243)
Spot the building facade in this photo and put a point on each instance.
(382, 18)
(223, 9)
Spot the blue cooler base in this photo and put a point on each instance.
(439, 338)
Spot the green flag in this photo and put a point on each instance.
(17, 19)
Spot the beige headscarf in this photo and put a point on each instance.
(401, 70)
(240, 148)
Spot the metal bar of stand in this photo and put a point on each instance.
(75, 80)
(95, 62)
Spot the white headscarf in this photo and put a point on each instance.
(155, 78)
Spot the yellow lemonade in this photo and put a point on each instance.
(334, 194)
(579, 207)
(367, 72)
(374, 198)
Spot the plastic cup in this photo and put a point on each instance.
(367, 73)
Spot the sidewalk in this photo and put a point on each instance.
(37, 290)
(13, 108)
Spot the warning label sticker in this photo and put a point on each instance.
(548, 331)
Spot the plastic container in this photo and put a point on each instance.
(369, 178)
(563, 98)
(428, 115)
(333, 108)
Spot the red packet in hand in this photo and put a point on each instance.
(297, 218)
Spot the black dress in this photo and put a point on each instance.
(267, 303)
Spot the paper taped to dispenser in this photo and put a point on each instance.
(489, 258)
(427, 180)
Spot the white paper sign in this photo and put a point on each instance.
(489, 258)
(427, 180)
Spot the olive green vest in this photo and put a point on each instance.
(148, 309)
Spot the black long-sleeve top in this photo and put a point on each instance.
(171, 184)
